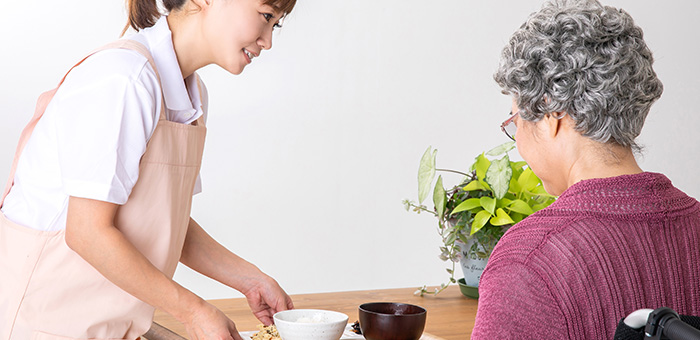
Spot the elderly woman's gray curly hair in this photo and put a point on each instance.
(588, 60)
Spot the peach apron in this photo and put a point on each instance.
(47, 291)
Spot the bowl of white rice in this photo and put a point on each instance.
(307, 324)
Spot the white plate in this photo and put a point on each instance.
(348, 334)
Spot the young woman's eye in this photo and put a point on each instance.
(277, 26)
(267, 16)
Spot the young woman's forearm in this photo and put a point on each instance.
(91, 234)
(207, 256)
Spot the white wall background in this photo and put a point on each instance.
(311, 151)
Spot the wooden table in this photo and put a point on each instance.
(450, 314)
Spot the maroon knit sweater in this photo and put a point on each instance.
(605, 248)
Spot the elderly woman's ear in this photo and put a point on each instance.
(556, 123)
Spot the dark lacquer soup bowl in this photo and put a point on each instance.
(392, 321)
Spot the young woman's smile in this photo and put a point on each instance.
(238, 30)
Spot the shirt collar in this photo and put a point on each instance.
(177, 98)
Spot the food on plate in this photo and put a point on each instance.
(356, 328)
(266, 333)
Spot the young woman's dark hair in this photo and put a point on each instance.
(145, 13)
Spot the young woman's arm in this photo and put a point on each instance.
(90, 232)
(205, 255)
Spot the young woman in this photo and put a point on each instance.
(95, 216)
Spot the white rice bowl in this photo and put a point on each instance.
(307, 324)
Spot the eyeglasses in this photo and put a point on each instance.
(508, 127)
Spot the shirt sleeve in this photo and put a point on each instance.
(106, 113)
(514, 303)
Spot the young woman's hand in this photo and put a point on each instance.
(206, 322)
(266, 297)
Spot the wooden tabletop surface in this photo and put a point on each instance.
(450, 314)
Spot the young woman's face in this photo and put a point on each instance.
(238, 30)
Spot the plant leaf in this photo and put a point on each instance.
(502, 203)
(439, 197)
(518, 165)
(426, 173)
(498, 176)
(481, 165)
(521, 206)
(501, 218)
(484, 184)
(501, 149)
(463, 238)
(488, 203)
(528, 180)
(514, 185)
(466, 205)
(474, 186)
(450, 239)
(480, 220)
(517, 217)
(539, 190)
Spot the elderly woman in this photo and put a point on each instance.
(618, 238)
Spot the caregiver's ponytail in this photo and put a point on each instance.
(145, 13)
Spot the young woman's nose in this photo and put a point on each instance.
(265, 40)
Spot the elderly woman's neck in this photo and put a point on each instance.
(603, 161)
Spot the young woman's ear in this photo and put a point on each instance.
(202, 4)
(193, 6)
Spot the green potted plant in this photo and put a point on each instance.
(472, 216)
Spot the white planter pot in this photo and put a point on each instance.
(472, 265)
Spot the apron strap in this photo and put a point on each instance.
(45, 99)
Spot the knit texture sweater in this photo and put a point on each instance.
(604, 249)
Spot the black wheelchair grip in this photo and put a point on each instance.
(679, 330)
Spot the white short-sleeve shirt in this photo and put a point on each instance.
(93, 133)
